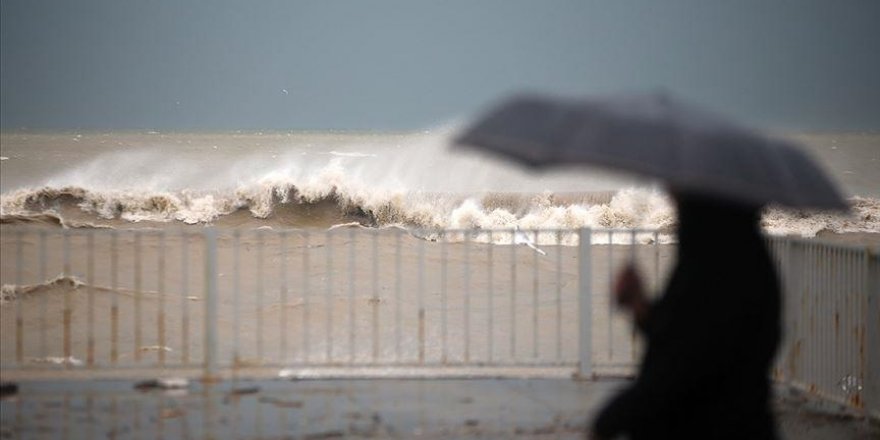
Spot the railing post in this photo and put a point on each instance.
(787, 274)
(211, 300)
(585, 306)
(793, 293)
(872, 340)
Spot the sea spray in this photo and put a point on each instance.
(317, 180)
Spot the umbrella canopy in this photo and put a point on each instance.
(690, 149)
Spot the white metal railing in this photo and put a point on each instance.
(307, 298)
(831, 312)
(86, 298)
(349, 298)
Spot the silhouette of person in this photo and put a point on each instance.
(711, 337)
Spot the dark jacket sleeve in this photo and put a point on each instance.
(619, 414)
(680, 363)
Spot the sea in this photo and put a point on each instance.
(318, 179)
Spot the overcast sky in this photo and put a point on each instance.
(392, 65)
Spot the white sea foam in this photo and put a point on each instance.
(12, 292)
(864, 216)
(350, 154)
(58, 360)
(417, 185)
(637, 208)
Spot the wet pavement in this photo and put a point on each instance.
(348, 408)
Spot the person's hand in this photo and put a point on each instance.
(628, 290)
(630, 294)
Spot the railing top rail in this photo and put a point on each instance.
(872, 249)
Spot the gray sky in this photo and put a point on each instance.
(409, 64)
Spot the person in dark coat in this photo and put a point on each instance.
(711, 337)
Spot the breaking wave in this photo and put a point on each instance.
(373, 182)
(323, 203)
(12, 292)
(864, 217)
(326, 201)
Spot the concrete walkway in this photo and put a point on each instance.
(350, 408)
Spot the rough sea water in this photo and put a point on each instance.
(321, 179)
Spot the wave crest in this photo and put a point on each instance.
(12, 292)
(330, 198)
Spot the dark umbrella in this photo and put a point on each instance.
(690, 149)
